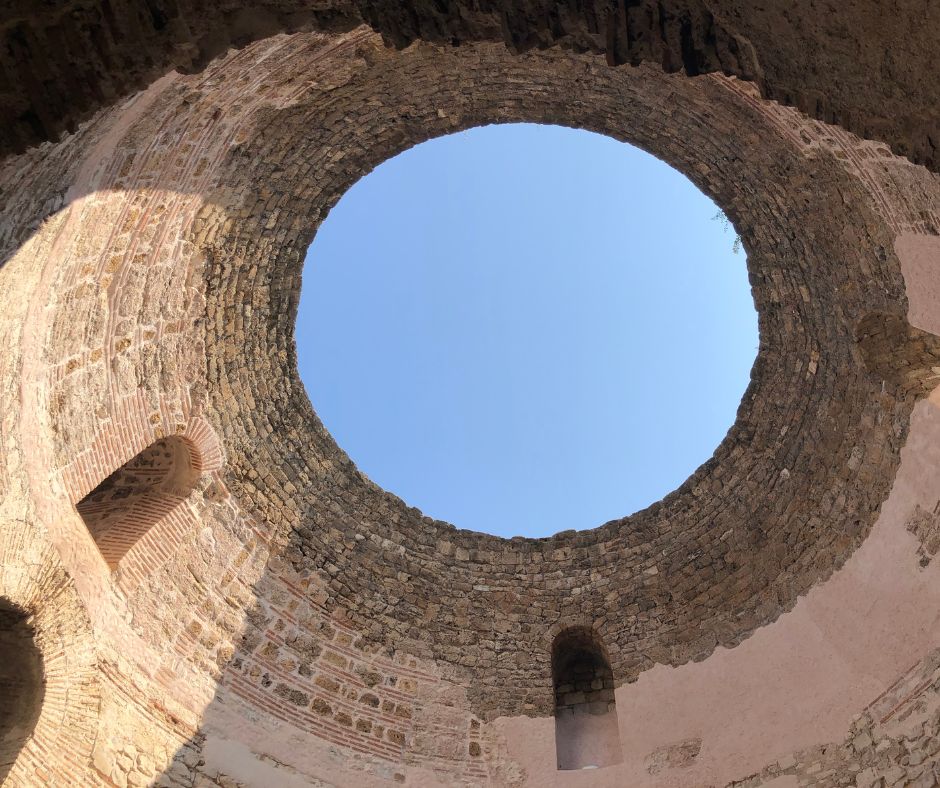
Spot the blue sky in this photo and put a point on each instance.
(522, 329)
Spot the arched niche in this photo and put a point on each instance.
(586, 731)
(22, 683)
(139, 494)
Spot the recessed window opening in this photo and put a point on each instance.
(135, 497)
(22, 685)
(523, 329)
(586, 732)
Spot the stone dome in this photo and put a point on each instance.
(199, 588)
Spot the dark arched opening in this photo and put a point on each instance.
(586, 731)
(22, 684)
(144, 490)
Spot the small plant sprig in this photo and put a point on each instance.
(726, 225)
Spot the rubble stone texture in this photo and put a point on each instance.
(263, 614)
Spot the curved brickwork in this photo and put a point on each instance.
(58, 702)
(138, 495)
(21, 683)
(306, 625)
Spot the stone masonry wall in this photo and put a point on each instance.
(289, 622)
(673, 573)
(866, 66)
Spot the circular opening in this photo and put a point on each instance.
(523, 329)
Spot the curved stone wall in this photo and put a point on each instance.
(720, 556)
(867, 66)
(289, 622)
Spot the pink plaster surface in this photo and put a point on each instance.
(801, 680)
(920, 262)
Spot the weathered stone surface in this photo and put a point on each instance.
(673, 756)
(867, 65)
(287, 622)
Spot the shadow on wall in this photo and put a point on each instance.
(22, 683)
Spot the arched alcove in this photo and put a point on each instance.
(586, 731)
(22, 684)
(135, 497)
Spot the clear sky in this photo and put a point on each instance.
(522, 329)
